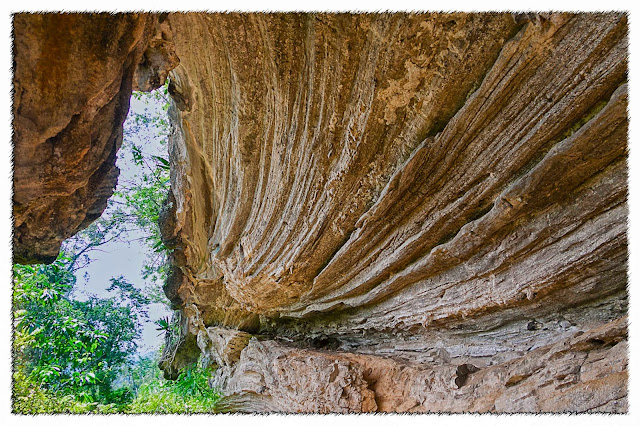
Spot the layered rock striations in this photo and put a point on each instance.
(408, 212)
(384, 212)
(72, 81)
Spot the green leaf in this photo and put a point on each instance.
(161, 160)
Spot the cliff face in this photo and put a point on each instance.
(393, 212)
(73, 77)
(410, 212)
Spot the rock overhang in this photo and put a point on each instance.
(387, 227)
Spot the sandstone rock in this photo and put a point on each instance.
(72, 82)
(436, 202)
(395, 212)
(273, 377)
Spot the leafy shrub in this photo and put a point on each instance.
(189, 394)
(30, 398)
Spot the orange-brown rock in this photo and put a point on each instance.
(397, 212)
(72, 82)
(429, 207)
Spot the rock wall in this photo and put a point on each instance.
(373, 212)
(72, 80)
(402, 212)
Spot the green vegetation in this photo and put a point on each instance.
(31, 398)
(80, 356)
(189, 394)
(68, 348)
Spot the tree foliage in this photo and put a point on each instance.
(138, 201)
(67, 346)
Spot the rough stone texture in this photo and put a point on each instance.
(73, 77)
(408, 212)
(587, 371)
(383, 212)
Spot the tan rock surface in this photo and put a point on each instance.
(72, 82)
(408, 198)
(382, 212)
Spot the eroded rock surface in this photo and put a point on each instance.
(421, 212)
(380, 212)
(73, 77)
